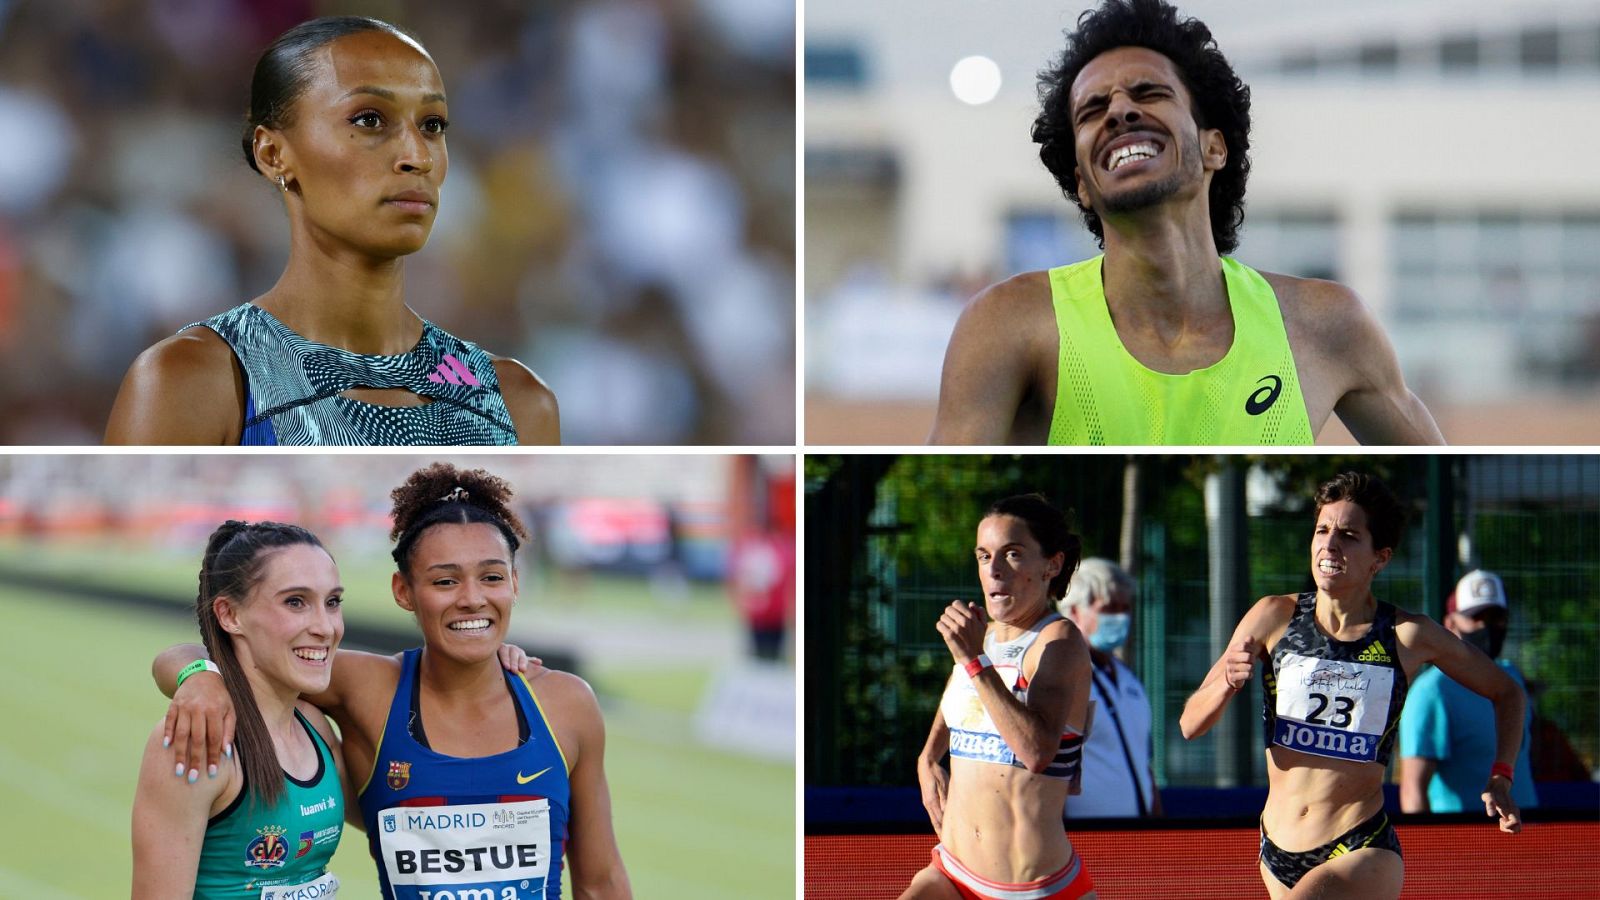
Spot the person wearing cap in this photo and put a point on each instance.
(1118, 780)
(1447, 736)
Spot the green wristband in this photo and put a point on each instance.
(199, 665)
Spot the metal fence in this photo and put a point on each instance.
(889, 543)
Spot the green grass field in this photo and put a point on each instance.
(78, 704)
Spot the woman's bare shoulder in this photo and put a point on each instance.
(186, 389)
(533, 406)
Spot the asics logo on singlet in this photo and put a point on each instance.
(1374, 653)
(453, 371)
(1262, 399)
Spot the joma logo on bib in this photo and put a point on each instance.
(982, 747)
(1325, 741)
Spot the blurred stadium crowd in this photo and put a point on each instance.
(619, 212)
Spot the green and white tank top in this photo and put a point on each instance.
(279, 853)
(1105, 396)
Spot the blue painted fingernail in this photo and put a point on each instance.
(212, 772)
(193, 776)
(166, 740)
(178, 771)
(227, 750)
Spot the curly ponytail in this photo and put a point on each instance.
(443, 494)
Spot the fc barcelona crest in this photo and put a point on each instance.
(399, 775)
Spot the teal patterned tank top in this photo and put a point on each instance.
(293, 387)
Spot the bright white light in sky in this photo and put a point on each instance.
(975, 80)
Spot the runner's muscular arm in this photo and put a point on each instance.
(1060, 685)
(932, 777)
(592, 853)
(1425, 641)
(187, 389)
(1376, 405)
(1235, 667)
(533, 408)
(989, 364)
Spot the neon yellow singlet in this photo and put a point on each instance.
(1105, 396)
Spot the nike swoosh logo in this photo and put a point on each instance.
(524, 779)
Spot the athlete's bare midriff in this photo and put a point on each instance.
(1004, 823)
(1314, 799)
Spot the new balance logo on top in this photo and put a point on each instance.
(1374, 653)
(452, 370)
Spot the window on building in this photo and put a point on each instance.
(1540, 48)
(1379, 57)
(1459, 52)
(835, 65)
(1291, 242)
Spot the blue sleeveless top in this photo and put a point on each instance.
(451, 826)
(292, 388)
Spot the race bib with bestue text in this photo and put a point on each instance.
(483, 851)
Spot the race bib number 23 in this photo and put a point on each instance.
(1332, 708)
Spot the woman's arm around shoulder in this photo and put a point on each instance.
(593, 858)
(169, 822)
(1252, 641)
(359, 681)
(187, 389)
(533, 407)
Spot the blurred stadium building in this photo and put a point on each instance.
(1419, 151)
(619, 212)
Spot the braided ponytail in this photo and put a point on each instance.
(235, 555)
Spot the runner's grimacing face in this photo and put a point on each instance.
(1012, 568)
(1134, 126)
(1342, 557)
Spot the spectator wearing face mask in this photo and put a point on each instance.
(1447, 732)
(1117, 776)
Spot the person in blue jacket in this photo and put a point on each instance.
(1447, 732)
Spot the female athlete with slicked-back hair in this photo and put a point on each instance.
(347, 120)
